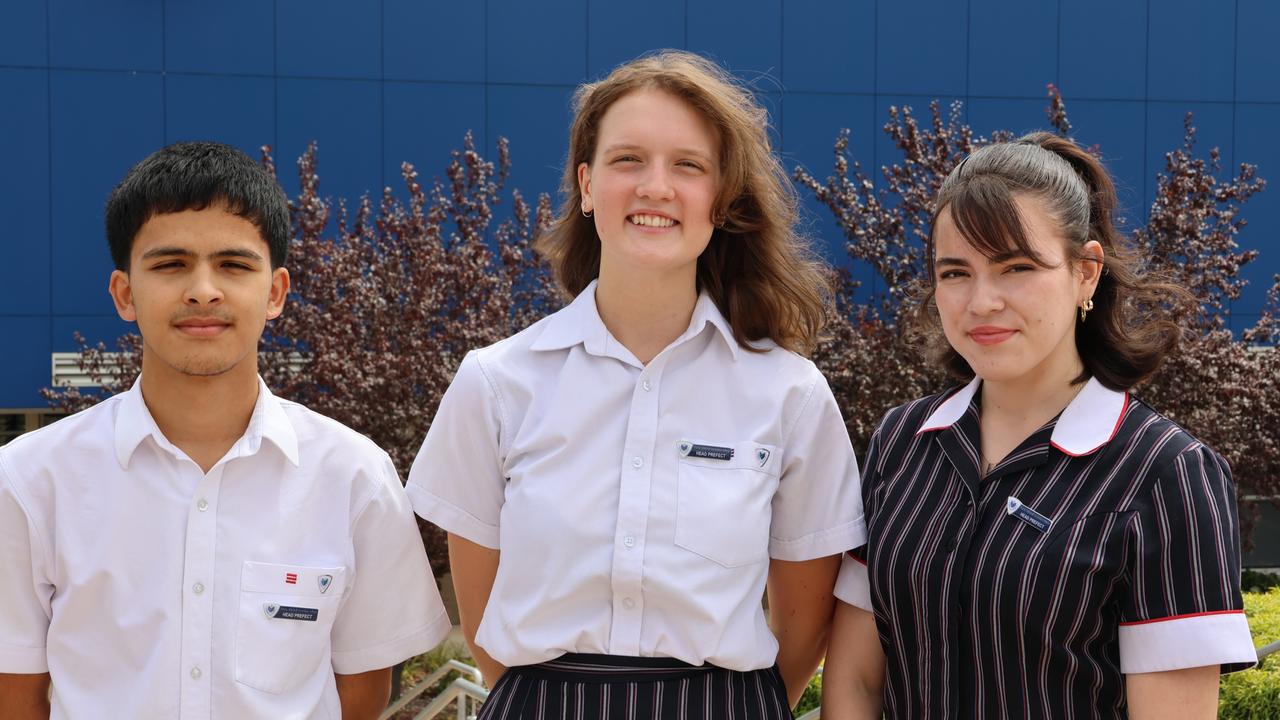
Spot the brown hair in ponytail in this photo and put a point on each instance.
(1130, 330)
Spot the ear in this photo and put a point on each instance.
(1090, 268)
(584, 186)
(279, 291)
(122, 295)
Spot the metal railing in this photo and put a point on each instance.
(467, 693)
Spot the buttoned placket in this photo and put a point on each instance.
(627, 573)
(197, 590)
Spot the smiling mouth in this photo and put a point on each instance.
(653, 221)
(202, 329)
(991, 336)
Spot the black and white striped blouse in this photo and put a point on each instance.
(1106, 543)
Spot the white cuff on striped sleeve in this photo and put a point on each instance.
(1186, 641)
(854, 584)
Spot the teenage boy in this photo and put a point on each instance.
(197, 547)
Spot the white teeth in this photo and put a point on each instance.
(652, 221)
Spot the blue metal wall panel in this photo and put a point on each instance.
(104, 326)
(239, 111)
(1017, 115)
(922, 47)
(744, 35)
(619, 31)
(102, 124)
(24, 193)
(228, 36)
(344, 118)
(27, 369)
(329, 38)
(1103, 53)
(1257, 62)
(24, 33)
(433, 41)
(541, 43)
(536, 122)
(829, 47)
(1119, 129)
(424, 122)
(1013, 47)
(90, 34)
(1256, 143)
(1191, 50)
(811, 122)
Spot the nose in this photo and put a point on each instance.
(202, 289)
(656, 183)
(986, 297)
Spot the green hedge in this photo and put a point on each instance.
(1255, 694)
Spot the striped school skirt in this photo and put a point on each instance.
(580, 686)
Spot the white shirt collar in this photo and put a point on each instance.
(579, 323)
(1088, 422)
(134, 424)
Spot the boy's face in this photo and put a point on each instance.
(201, 288)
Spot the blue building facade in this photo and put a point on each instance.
(88, 88)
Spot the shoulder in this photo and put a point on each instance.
(1164, 450)
(911, 416)
(86, 438)
(339, 454)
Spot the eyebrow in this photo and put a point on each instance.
(679, 151)
(959, 262)
(243, 253)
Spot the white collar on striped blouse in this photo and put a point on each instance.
(1090, 421)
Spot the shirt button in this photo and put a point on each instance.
(195, 673)
(202, 505)
(637, 462)
(629, 541)
(628, 603)
(198, 588)
(646, 385)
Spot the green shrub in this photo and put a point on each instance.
(1253, 581)
(812, 696)
(1255, 694)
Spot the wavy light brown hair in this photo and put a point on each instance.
(1130, 330)
(761, 274)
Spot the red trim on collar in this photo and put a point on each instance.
(1123, 411)
(1181, 617)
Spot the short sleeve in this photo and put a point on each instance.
(817, 510)
(25, 592)
(1183, 607)
(853, 585)
(392, 609)
(457, 481)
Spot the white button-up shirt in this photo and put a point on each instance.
(636, 506)
(148, 588)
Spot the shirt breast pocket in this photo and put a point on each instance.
(724, 500)
(286, 615)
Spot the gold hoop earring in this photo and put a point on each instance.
(1085, 307)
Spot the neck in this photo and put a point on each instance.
(202, 415)
(646, 312)
(1035, 397)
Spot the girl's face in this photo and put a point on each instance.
(652, 184)
(1010, 318)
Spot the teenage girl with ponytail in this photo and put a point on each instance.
(1040, 542)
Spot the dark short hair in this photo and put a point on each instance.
(194, 176)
